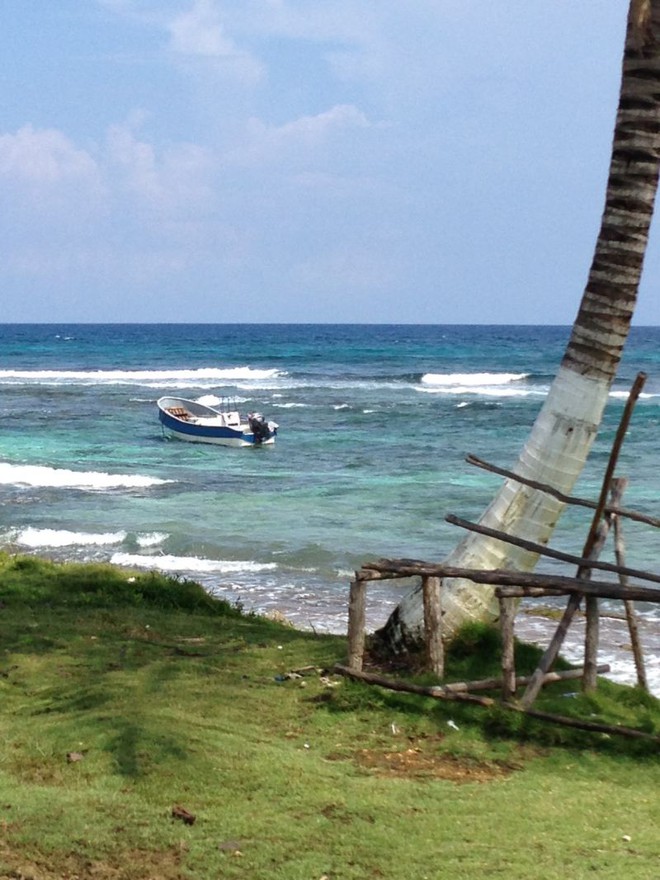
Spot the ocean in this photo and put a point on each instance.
(375, 422)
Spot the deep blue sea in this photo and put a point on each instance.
(375, 422)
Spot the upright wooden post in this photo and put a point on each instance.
(592, 622)
(507, 617)
(591, 635)
(432, 593)
(356, 623)
(618, 487)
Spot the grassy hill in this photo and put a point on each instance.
(150, 731)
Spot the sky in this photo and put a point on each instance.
(360, 161)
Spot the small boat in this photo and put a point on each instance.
(198, 423)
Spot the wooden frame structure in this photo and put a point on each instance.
(511, 586)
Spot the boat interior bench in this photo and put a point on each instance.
(180, 413)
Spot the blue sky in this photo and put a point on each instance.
(433, 161)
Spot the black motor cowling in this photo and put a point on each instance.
(259, 427)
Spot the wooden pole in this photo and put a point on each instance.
(432, 593)
(561, 496)
(393, 568)
(507, 618)
(527, 593)
(542, 550)
(551, 652)
(356, 623)
(591, 637)
(618, 485)
(590, 546)
(441, 693)
(635, 391)
(489, 684)
(592, 623)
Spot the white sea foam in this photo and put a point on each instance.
(614, 648)
(151, 540)
(467, 380)
(191, 564)
(480, 384)
(36, 538)
(624, 395)
(214, 400)
(40, 538)
(48, 477)
(153, 378)
(489, 391)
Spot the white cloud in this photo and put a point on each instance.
(136, 161)
(131, 209)
(44, 167)
(44, 156)
(175, 179)
(200, 34)
(302, 135)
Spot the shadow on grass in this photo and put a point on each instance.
(475, 655)
(136, 749)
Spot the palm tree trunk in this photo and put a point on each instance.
(563, 433)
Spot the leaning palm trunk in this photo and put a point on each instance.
(563, 433)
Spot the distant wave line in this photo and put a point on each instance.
(150, 376)
(40, 476)
(487, 391)
(623, 395)
(472, 379)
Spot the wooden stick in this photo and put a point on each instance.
(592, 622)
(635, 391)
(527, 593)
(590, 548)
(591, 726)
(560, 496)
(458, 689)
(502, 578)
(490, 684)
(542, 550)
(394, 684)
(631, 616)
(507, 618)
(551, 652)
(441, 693)
(356, 623)
(591, 638)
(432, 594)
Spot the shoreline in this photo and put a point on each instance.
(322, 610)
(614, 641)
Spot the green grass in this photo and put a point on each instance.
(173, 698)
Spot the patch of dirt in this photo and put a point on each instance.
(134, 865)
(415, 763)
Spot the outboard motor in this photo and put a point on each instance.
(259, 427)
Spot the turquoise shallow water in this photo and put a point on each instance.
(375, 422)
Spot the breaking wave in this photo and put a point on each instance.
(49, 477)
